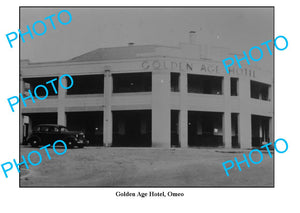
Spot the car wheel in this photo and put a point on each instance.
(35, 142)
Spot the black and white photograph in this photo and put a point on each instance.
(146, 97)
(153, 106)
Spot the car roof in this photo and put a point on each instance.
(50, 125)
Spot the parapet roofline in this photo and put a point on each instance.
(118, 53)
(86, 57)
(136, 52)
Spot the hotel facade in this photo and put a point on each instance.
(154, 96)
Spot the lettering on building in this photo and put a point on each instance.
(167, 65)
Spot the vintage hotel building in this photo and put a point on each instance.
(152, 95)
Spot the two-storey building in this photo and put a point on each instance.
(152, 95)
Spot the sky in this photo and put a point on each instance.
(92, 28)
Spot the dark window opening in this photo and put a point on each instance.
(260, 90)
(234, 86)
(175, 128)
(132, 128)
(205, 128)
(90, 123)
(31, 83)
(86, 84)
(260, 130)
(25, 133)
(205, 84)
(132, 82)
(234, 131)
(35, 119)
(175, 82)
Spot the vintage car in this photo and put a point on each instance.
(44, 134)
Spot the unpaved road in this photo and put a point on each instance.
(105, 167)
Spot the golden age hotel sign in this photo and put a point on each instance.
(207, 68)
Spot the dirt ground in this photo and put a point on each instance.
(143, 167)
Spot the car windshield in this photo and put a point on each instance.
(37, 128)
(63, 129)
(44, 129)
(55, 129)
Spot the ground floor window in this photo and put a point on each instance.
(260, 126)
(132, 128)
(30, 120)
(90, 123)
(235, 143)
(175, 128)
(205, 128)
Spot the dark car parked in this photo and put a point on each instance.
(44, 134)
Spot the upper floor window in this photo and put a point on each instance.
(175, 82)
(205, 84)
(234, 86)
(31, 83)
(86, 84)
(260, 90)
(132, 82)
